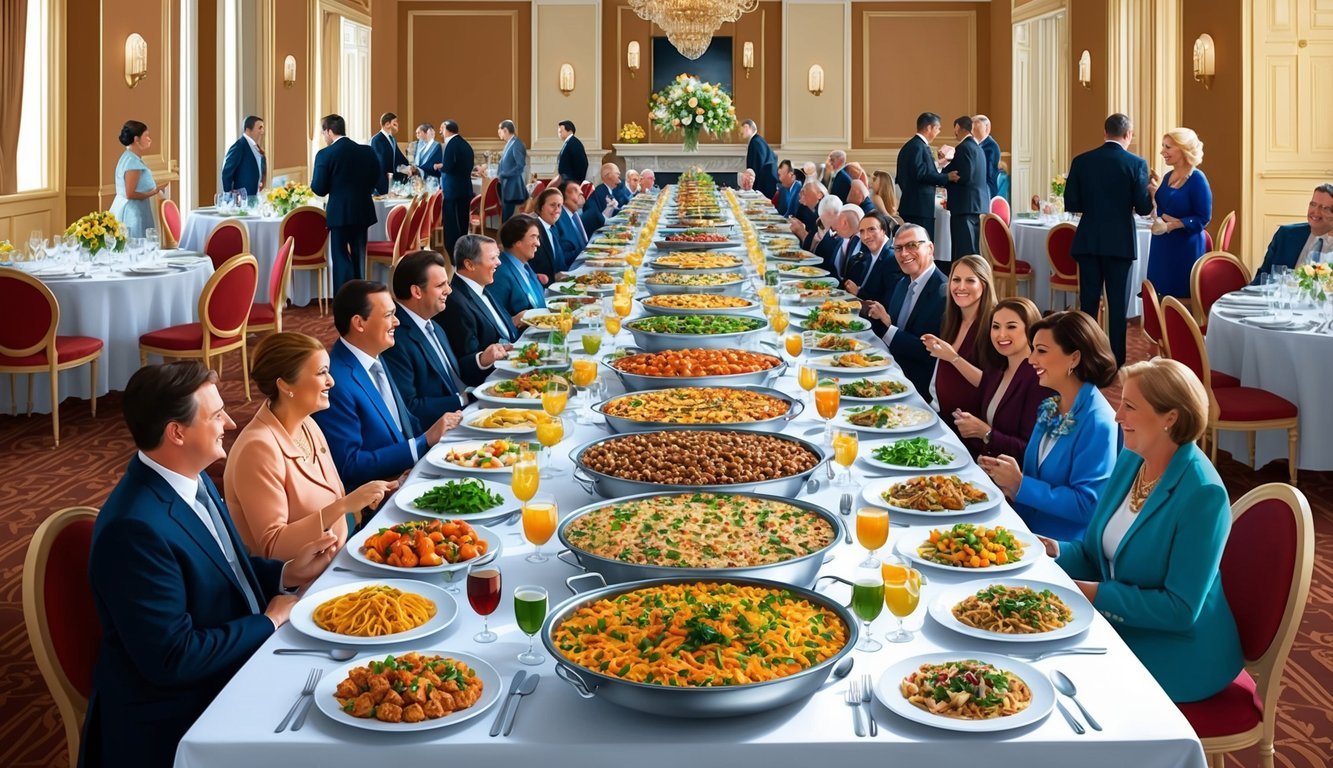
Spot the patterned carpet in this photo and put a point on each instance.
(94, 451)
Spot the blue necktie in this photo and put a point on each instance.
(228, 551)
(534, 287)
(438, 344)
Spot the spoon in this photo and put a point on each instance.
(1066, 686)
(843, 669)
(337, 654)
(845, 509)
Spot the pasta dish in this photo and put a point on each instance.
(697, 405)
(507, 418)
(1013, 610)
(373, 611)
(966, 690)
(934, 493)
(408, 688)
(971, 546)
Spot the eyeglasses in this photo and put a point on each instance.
(910, 245)
(1317, 207)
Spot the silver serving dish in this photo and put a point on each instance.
(732, 287)
(661, 342)
(737, 267)
(801, 571)
(689, 245)
(654, 310)
(621, 425)
(635, 382)
(611, 487)
(722, 701)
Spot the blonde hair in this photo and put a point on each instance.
(1188, 142)
(1169, 385)
(281, 356)
(882, 187)
(856, 172)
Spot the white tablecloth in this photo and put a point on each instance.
(117, 308)
(1142, 727)
(1030, 243)
(1292, 364)
(382, 207)
(264, 233)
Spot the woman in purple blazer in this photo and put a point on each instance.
(1009, 391)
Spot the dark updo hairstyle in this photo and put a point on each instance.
(131, 130)
(1074, 331)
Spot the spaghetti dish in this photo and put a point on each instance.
(966, 690)
(1013, 610)
(408, 689)
(374, 611)
(934, 493)
(967, 545)
(700, 635)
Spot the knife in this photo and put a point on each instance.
(1069, 718)
(512, 698)
(529, 686)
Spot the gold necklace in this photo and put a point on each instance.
(1141, 490)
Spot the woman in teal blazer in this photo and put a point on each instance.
(1149, 560)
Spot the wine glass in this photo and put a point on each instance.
(540, 515)
(612, 322)
(530, 610)
(550, 431)
(902, 594)
(845, 445)
(483, 592)
(827, 398)
(872, 531)
(779, 320)
(526, 477)
(807, 377)
(555, 396)
(795, 345)
(584, 374)
(867, 603)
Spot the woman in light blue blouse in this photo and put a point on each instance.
(1074, 443)
(135, 187)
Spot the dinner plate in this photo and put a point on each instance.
(1243, 299)
(689, 245)
(504, 402)
(961, 458)
(872, 491)
(558, 288)
(926, 419)
(533, 314)
(1043, 693)
(1240, 312)
(435, 457)
(802, 273)
(494, 546)
(55, 273)
(492, 690)
(825, 363)
(803, 261)
(507, 365)
(910, 539)
(446, 610)
(873, 400)
(482, 413)
(149, 269)
(941, 610)
(405, 497)
(1272, 323)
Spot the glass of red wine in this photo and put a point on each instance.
(483, 592)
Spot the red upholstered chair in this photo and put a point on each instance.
(1152, 322)
(1064, 270)
(224, 309)
(490, 208)
(1000, 207)
(587, 188)
(1270, 525)
(402, 242)
(393, 223)
(267, 316)
(309, 230)
(29, 344)
(1224, 232)
(775, 198)
(434, 221)
(59, 613)
(1233, 408)
(172, 224)
(997, 245)
(1215, 274)
(1207, 241)
(229, 238)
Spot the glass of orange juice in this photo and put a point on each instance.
(872, 531)
(550, 431)
(845, 446)
(623, 304)
(612, 323)
(583, 375)
(826, 403)
(540, 516)
(526, 476)
(780, 320)
(555, 396)
(795, 344)
(902, 594)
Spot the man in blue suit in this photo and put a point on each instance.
(1108, 186)
(918, 176)
(1294, 245)
(969, 197)
(789, 199)
(573, 225)
(602, 203)
(428, 376)
(371, 432)
(550, 258)
(181, 602)
(990, 149)
(347, 173)
(759, 156)
(428, 158)
(512, 171)
(846, 226)
(572, 161)
(387, 152)
(245, 167)
(840, 181)
(804, 218)
(517, 288)
(456, 181)
(475, 324)
(875, 273)
(916, 308)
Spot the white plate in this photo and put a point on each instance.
(435, 456)
(149, 269)
(533, 314)
(1271, 322)
(508, 366)
(493, 548)
(941, 609)
(871, 493)
(805, 261)
(1239, 312)
(927, 420)
(910, 539)
(504, 402)
(868, 329)
(960, 457)
(1243, 299)
(54, 273)
(446, 610)
(492, 690)
(1043, 693)
(825, 363)
(587, 289)
(872, 400)
(403, 498)
(482, 413)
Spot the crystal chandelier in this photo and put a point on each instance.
(690, 24)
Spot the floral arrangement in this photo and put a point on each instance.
(288, 196)
(1316, 280)
(1058, 184)
(696, 175)
(98, 230)
(632, 133)
(6, 248)
(687, 104)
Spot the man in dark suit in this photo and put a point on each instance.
(1294, 245)
(759, 156)
(428, 158)
(517, 288)
(386, 150)
(859, 195)
(875, 266)
(804, 219)
(573, 224)
(456, 181)
(245, 167)
(181, 603)
(372, 434)
(916, 307)
(550, 258)
(918, 176)
(840, 181)
(991, 149)
(789, 199)
(473, 321)
(347, 173)
(846, 226)
(572, 162)
(969, 197)
(512, 171)
(602, 203)
(429, 378)
(1108, 186)
(827, 243)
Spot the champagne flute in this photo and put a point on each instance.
(530, 611)
(902, 594)
(872, 531)
(845, 446)
(550, 431)
(827, 398)
(539, 518)
(555, 396)
(527, 477)
(807, 377)
(483, 592)
(584, 374)
(867, 603)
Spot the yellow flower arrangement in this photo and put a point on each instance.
(632, 133)
(1058, 185)
(289, 196)
(6, 248)
(689, 105)
(1315, 279)
(98, 230)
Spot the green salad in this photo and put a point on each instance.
(913, 452)
(697, 325)
(458, 497)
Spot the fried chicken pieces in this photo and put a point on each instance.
(408, 688)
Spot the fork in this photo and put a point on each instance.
(308, 690)
(854, 701)
(866, 687)
(1059, 652)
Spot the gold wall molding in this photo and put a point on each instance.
(969, 47)
(509, 15)
(1034, 9)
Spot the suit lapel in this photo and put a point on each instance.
(289, 449)
(1159, 495)
(372, 393)
(408, 327)
(183, 514)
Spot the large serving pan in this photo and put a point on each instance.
(655, 310)
(636, 382)
(621, 424)
(722, 701)
(734, 286)
(663, 342)
(611, 487)
(801, 571)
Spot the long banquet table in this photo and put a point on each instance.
(556, 727)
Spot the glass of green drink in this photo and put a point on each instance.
(867, 602)
(592, 342)
(530, 611)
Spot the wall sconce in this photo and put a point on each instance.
(1205, 60)
(566, 78)
(289, 71)
(632, 57)
(747, 58)
(1085, 70)
(136, 59)
(815, 79)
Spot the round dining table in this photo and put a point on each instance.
(1030, 233)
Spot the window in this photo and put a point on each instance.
(354, 82)
(34, 150)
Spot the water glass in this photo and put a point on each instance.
(530, 602)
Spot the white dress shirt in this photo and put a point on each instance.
(435, 344)
(1115, 531)
(366, 361)
(480, 290)
(914, 290)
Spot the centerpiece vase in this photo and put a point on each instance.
(690, 138)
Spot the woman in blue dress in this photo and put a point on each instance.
(135, 187)
(1184, 207)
